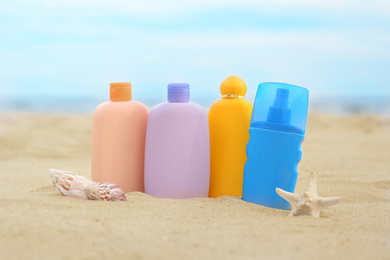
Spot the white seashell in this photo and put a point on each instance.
(97, 191)
(104, 191)
(68, 184)
(76, 186)
(309, 203)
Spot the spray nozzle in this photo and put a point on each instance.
(280, 111)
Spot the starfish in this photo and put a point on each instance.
(308, 203)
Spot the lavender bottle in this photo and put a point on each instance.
(177, 149)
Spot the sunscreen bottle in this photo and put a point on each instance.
(229, 119)
(118, 140)
(277, 130)
(177, 150)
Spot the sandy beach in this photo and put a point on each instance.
(350, 154)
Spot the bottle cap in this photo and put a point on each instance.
(178, 92)
(281, 107)
(120, 91)
(233, 87)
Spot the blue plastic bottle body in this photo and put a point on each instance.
(274, 165)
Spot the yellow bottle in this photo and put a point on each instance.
(229, 120)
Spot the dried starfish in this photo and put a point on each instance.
(309, 203)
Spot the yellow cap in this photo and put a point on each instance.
(120, 91)
(233, 87)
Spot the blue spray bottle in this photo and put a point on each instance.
(276, 131)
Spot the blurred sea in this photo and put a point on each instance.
(334, 105)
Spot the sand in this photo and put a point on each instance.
(351, 156)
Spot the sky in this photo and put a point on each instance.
(69, 49)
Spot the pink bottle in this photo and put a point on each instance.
(177, 150)
(118, 140)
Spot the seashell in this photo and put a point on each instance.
(68, 184)
(104, 191)
(71, 185)
(309, 203)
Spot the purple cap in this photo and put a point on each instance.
(178, 92)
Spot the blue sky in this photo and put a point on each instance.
(65, 49)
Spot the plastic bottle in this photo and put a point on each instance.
(229, 119)
(276, 131)
(118, 139)
(177, 151)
